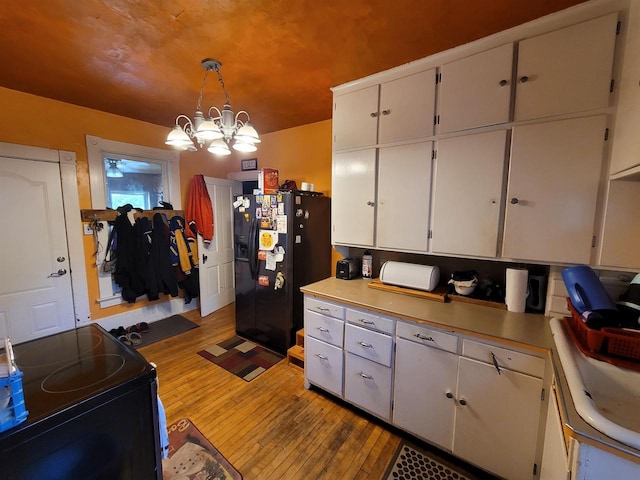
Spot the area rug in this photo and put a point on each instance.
(412, 462)
(241, 357)
(192, 457)
(165, 328)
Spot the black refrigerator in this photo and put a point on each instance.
(282, 242)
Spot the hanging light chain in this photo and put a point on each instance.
(226, 95)
(204, 82)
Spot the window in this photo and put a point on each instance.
(122, 173)
(133, 181)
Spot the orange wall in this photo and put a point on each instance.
(301, 154)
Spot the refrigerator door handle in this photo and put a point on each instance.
(253, 251)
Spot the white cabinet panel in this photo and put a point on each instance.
(371, 320)
(404, 192)
(323, 364)
(568, 70)
(367, 384)
(323, 307)
(552, 191)
(353, 197)
(621, 233)
(476, 91)
(424, 391)
(498, 419)
(407, 106)
(468, 194)
(427, 336)
(322, 327)
(355, 119)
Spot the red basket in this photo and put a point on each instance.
(609, 341)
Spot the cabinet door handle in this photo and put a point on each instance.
(463, 402)
(386, 112)
(322, 357)
(422, 337)
(373, 114)
(322, 329)
(365, 345)
(448, 395)
(514, 201)
(502, 83)
(370, 203)
(366, 322)
(524, 79)
(495, 363)
(366, 376)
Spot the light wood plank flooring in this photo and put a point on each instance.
(271, 428)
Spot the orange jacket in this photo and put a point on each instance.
(199, 214)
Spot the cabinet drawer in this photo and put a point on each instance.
(368, 385)
(327, 329)
(370, 320)
(428, 336)
(516, 361)
(325, 308)
(323, 365)
(368, 344)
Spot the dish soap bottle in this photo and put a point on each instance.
(367, 264)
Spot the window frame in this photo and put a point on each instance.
(97, 149)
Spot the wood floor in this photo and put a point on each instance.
(271, 428)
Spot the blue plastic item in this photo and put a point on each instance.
(14, 413)
(585, 289)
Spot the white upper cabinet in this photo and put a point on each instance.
(353, 197)
(404, 193)
(476, 91)
(407, 107)
(404, 111)
(355, 119)
(468, 194)
(568, 70)
(552, 191)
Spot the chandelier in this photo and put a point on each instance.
(218, 128)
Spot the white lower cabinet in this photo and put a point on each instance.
(367, 384)
(477, 408)
(323, 365)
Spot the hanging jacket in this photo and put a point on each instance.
(127, 273)
(179, 250)
(161, 276)
(199, 213)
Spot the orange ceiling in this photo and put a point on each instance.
(141, 58)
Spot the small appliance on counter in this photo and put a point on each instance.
(347, 268)
(410, 275)
(464, 282)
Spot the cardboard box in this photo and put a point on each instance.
(268, 181)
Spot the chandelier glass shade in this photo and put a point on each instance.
(218, 128)
(113, 171)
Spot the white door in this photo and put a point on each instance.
(216, 259)
(404, 196)
(468, 194)
(35, 284)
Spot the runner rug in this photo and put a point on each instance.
(412, 462)
(165, 328)
(241, 357)
(192, 457)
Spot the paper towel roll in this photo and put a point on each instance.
(516, 289)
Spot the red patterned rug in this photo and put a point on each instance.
(241, 357)
(192, 457)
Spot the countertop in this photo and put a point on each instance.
(526, 330)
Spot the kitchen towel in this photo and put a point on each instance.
(516, 289)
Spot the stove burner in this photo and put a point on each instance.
(58, 349)
(83, 373)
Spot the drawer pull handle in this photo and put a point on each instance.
(324, 309)
(366, 322)
(495, 363)
(322, 357)
(366, 376)
(422, 337)
(365, 345)
(323, 329)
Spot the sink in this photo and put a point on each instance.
(607, 397)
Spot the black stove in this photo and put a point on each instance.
(92, 406)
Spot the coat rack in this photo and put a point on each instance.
(110, 215)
